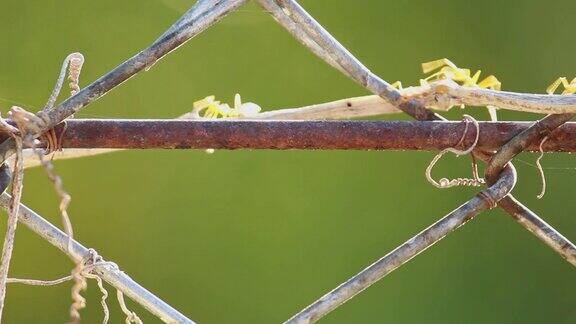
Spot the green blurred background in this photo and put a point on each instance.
(254, 236)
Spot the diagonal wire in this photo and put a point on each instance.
(333, 51)
(519, 212)
(402, 254)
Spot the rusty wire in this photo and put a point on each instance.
(241, 134)
(530, 220)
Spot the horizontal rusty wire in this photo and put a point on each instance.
(345, 135)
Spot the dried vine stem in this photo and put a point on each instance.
(112, 275)
(433, 96)
(29, 124)
(356, 107)
(22, 135)
(73, 63)
(540, 169)
(445, 94)
(30, 159)
(13, 211)
(37, 282)
(131, 317)
(440, 95)
(88, 265)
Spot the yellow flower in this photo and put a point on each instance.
(569, 87)
(210, 108)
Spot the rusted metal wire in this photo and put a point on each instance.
(360, 135)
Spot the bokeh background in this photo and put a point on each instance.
(254, 236)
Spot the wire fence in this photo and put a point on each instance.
(498, 143)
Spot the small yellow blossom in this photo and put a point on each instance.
(210, 108)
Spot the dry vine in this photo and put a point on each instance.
(449, 87)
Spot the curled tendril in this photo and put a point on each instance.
(444, 183)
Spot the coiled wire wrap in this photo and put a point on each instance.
(444, 183)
